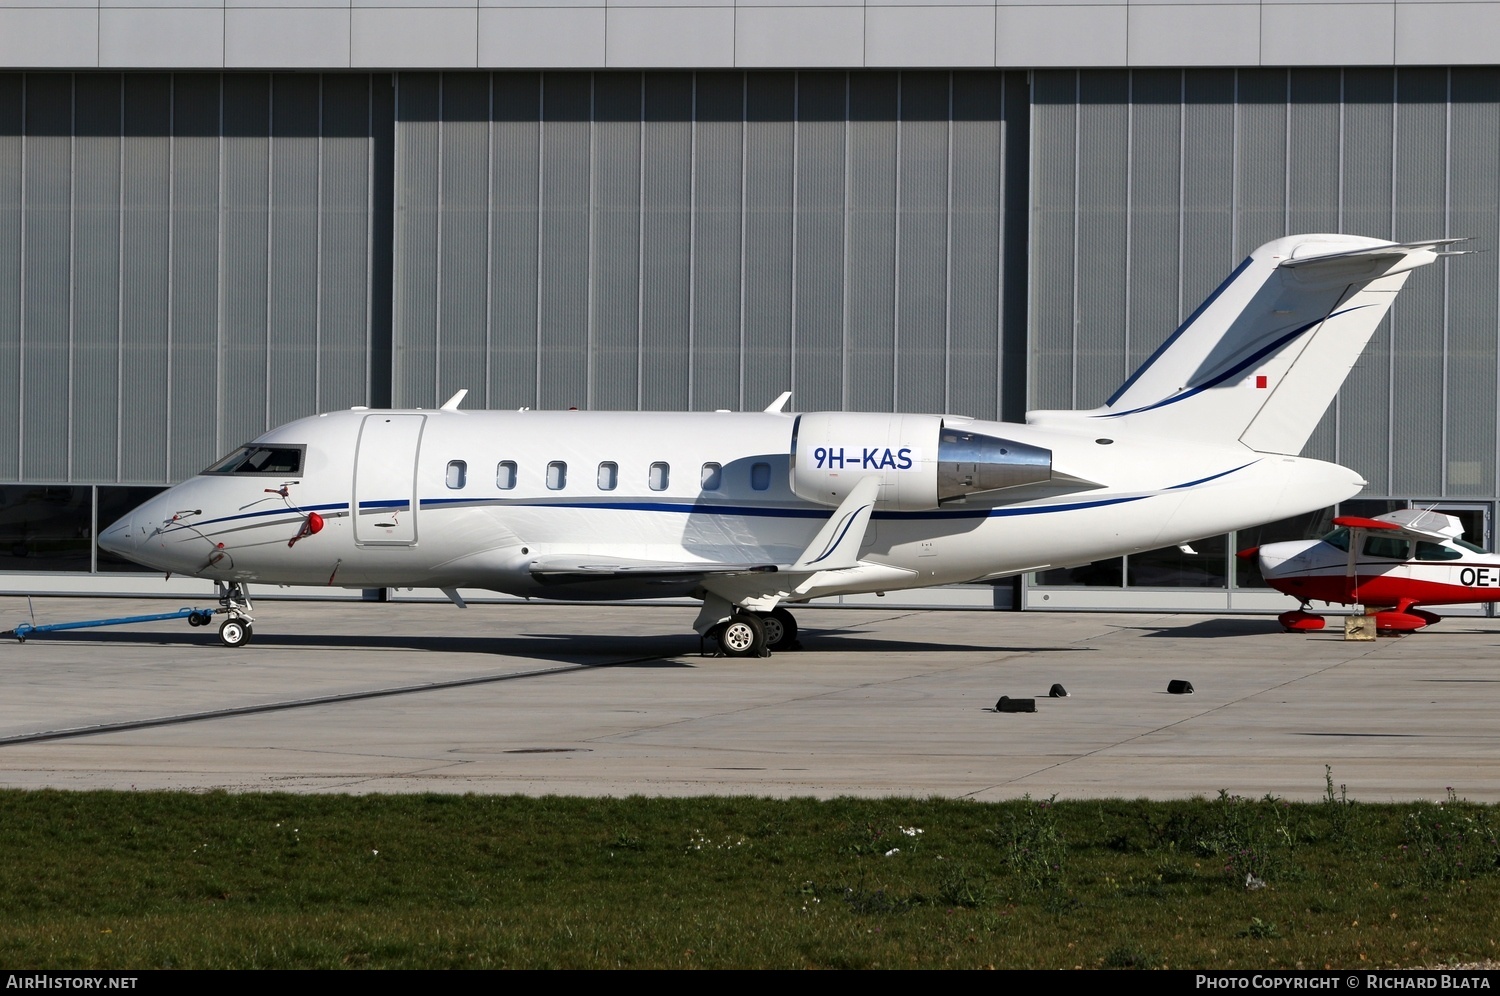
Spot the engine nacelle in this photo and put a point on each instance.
(921, 461)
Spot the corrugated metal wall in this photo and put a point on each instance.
(187, 259)
(184, 262)
(1148, 186)
(708, 240)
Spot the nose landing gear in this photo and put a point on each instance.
(234, 601)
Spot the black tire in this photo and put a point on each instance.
(742, 636)
(781, 628)
(235, 633)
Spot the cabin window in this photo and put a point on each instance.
(1383, 546)
(557, 475)
(458, 474)
(760, 476)
(609, 476)
(278, 460)
(712, 477)
(659, 476)
(505, 475)
(1437, 551)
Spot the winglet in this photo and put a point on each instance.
(837, 544)
(780, 403)
(451, 405)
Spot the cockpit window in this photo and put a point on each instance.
(1338, 539)
(1437, 551)
(278, 460)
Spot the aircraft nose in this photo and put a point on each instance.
(116, 539)
(1274, 555)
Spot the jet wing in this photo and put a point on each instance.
(834, 549)
(571, 570)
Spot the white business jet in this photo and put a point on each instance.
(753, 511)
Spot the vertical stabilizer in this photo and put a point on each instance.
(1261, 360)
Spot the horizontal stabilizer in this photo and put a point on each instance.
(1309, 254)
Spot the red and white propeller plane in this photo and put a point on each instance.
(1390, 564)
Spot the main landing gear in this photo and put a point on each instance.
(234, 602)
(756, 634)
(1400, 619)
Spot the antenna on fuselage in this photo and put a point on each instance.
(451, 405)
(780, 403)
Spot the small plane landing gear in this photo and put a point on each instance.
(1401, 622)
(781, 628)
(743, 636)
(234, 601)
(1301, 621)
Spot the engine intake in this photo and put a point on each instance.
(921, 461)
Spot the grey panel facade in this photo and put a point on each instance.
(1148, 186)
(187, 259)
(703, 240)
(745, 34)
(184, 264)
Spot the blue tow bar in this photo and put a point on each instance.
(195, 617)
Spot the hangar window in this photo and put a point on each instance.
(458, 474)
(278, 460)
(48, 528)
(505, 475)
(557, 475)
(609, 476)
(659, 476)
(760, 476)
(713, 477)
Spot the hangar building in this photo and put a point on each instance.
(219, 215)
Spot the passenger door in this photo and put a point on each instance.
(385, 480)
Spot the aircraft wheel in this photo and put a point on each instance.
(235, 633)
(781, 628)
(743, 636)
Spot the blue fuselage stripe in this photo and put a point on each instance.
(711, 508)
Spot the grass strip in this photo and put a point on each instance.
(159, 880)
